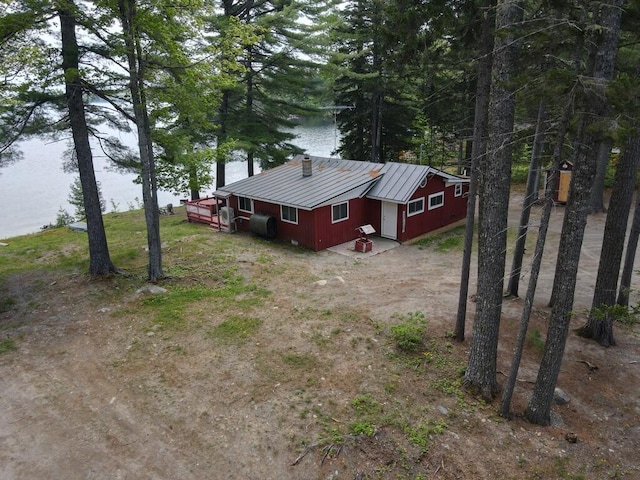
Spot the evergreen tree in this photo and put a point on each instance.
(274, 87)
(54, 87)
(603, 53)
(478, 150)
(494, 171)
(380, 90)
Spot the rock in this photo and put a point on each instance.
(152, 289)
(561, 397)
(320, 282)
(443, 410)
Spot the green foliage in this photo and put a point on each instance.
(421, 434)
(382, 93)
(235, 330)
(6, 304)
(366, 405)
(360, 427)
(619, 313)
(409, 333)
(76, 199)
(259, 108)
(534, 338)
(63, 218)
(7, 345)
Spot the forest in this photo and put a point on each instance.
(501, 90)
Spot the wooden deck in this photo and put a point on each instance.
(205, 210)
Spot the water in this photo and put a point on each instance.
(33, 190)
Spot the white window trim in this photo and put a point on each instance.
(333, 220)
(284, 219)
(417, 212)
(434, 195)
(458, 190)
(250, 202)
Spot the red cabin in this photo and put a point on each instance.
(321, 202)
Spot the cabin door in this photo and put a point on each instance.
(389, 220)
(563, 188)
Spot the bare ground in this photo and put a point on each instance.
(98, 388)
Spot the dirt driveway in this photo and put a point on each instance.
(312, 386)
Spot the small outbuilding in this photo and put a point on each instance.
(320, 202)
(562, 183)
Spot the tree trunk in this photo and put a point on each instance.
(478, 150)
(575, 219)
(149, 184)
(99, 259)
(495, 172)
(630, 257)
(250, 112)
(529, 200)
(376, 114)
(599, 327)
(597, 192)
(221, 139)
(507, 394)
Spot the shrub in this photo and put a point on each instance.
(409, 333)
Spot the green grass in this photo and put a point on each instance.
(300, 361)
(6, 304)
(422, 434)
(444, 242)
(7, 345)
(235, 330)
(534, 338)
(170, 309)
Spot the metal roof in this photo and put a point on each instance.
(334, 179)
(285, 185)
(400, 180)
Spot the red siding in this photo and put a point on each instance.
(330, 234)
(454, 209)
(315, 231)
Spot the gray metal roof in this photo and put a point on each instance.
(335, 179)
(285, 185)
(400, 180)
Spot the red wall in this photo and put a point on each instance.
(329, 234)
(454, 209)
(316, 232)
(314, 229)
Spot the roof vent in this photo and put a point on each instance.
(306, 166)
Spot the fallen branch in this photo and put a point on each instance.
(590, 366)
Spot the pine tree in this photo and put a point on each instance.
(494, 170)
(41, 96)
(603, 54)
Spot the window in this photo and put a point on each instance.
(289, 214)
(436, 200)
(339, 212)
(415, 207)
(245, 204)
(458, 190)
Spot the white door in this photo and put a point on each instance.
(389, 220)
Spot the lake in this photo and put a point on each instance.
(33, 190)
